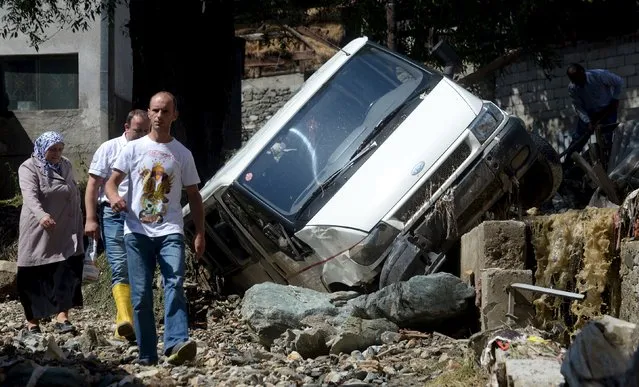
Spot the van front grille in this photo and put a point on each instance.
(434, 182)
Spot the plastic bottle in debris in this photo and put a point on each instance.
(90, 272)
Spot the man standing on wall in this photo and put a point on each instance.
(111, 224)
(158, 167)
(595, 96)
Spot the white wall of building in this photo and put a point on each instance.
(86, 127)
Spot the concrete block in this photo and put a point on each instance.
(629, 274)
(626, 70)
(632, 58)
(597, 64)
(538, 372)
(494, 285)
(493, 244)
(615, 61)
(574, 57)
(626, 48)
(629, 253)
(609, 51)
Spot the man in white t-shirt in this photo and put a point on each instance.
(159, 167)
(102, 222)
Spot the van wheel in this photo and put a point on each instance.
(402, 262)
(540, 183)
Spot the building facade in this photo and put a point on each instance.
(76, 83)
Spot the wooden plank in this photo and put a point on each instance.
(258, 36)
(583, 164)
(491, 67)
(262, 63)
(299, 36)
(598, 176)
(607, 185)
(303, 55)
(311, 34)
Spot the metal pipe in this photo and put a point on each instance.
(553, 292)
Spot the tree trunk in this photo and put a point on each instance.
(170, 43)
(391, 25)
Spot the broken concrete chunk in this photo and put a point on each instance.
(494, 298)
(493, 244)
(533, 373)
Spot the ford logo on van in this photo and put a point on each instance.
(417, 168)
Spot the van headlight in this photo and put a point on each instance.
(363, 248)
(487, 121)
(369, 249)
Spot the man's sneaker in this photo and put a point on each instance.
(182, 352)
(145, 362)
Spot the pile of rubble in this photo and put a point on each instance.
(231, 353)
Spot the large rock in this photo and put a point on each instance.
(420, 301)
(314, 323)
(356, 334)
(8, 273)
(270, 309)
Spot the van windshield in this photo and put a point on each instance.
(329, 129)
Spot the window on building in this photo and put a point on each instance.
(41, 82)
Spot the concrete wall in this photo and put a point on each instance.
(543, 103)
(263, 97)
(84, 128)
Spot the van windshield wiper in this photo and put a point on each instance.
(421, 93)
(344, 167)
(331, 179)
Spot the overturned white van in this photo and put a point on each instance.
(367, 176)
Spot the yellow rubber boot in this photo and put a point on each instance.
(124, 312)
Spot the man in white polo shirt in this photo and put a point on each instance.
(102, 222)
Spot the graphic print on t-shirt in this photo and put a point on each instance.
(156, 185)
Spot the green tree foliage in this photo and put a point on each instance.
(40, 19)
(482, 30)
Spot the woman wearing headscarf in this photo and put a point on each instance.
(50, 246)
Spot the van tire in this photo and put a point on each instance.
(402, 262)
(542, 180)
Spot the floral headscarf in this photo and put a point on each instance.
(42, 144)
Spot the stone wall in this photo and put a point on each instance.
(263, 97)
(542, 101)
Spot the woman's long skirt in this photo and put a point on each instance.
(49, 289)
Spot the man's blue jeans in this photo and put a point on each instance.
(112, 230)
(169, 253)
